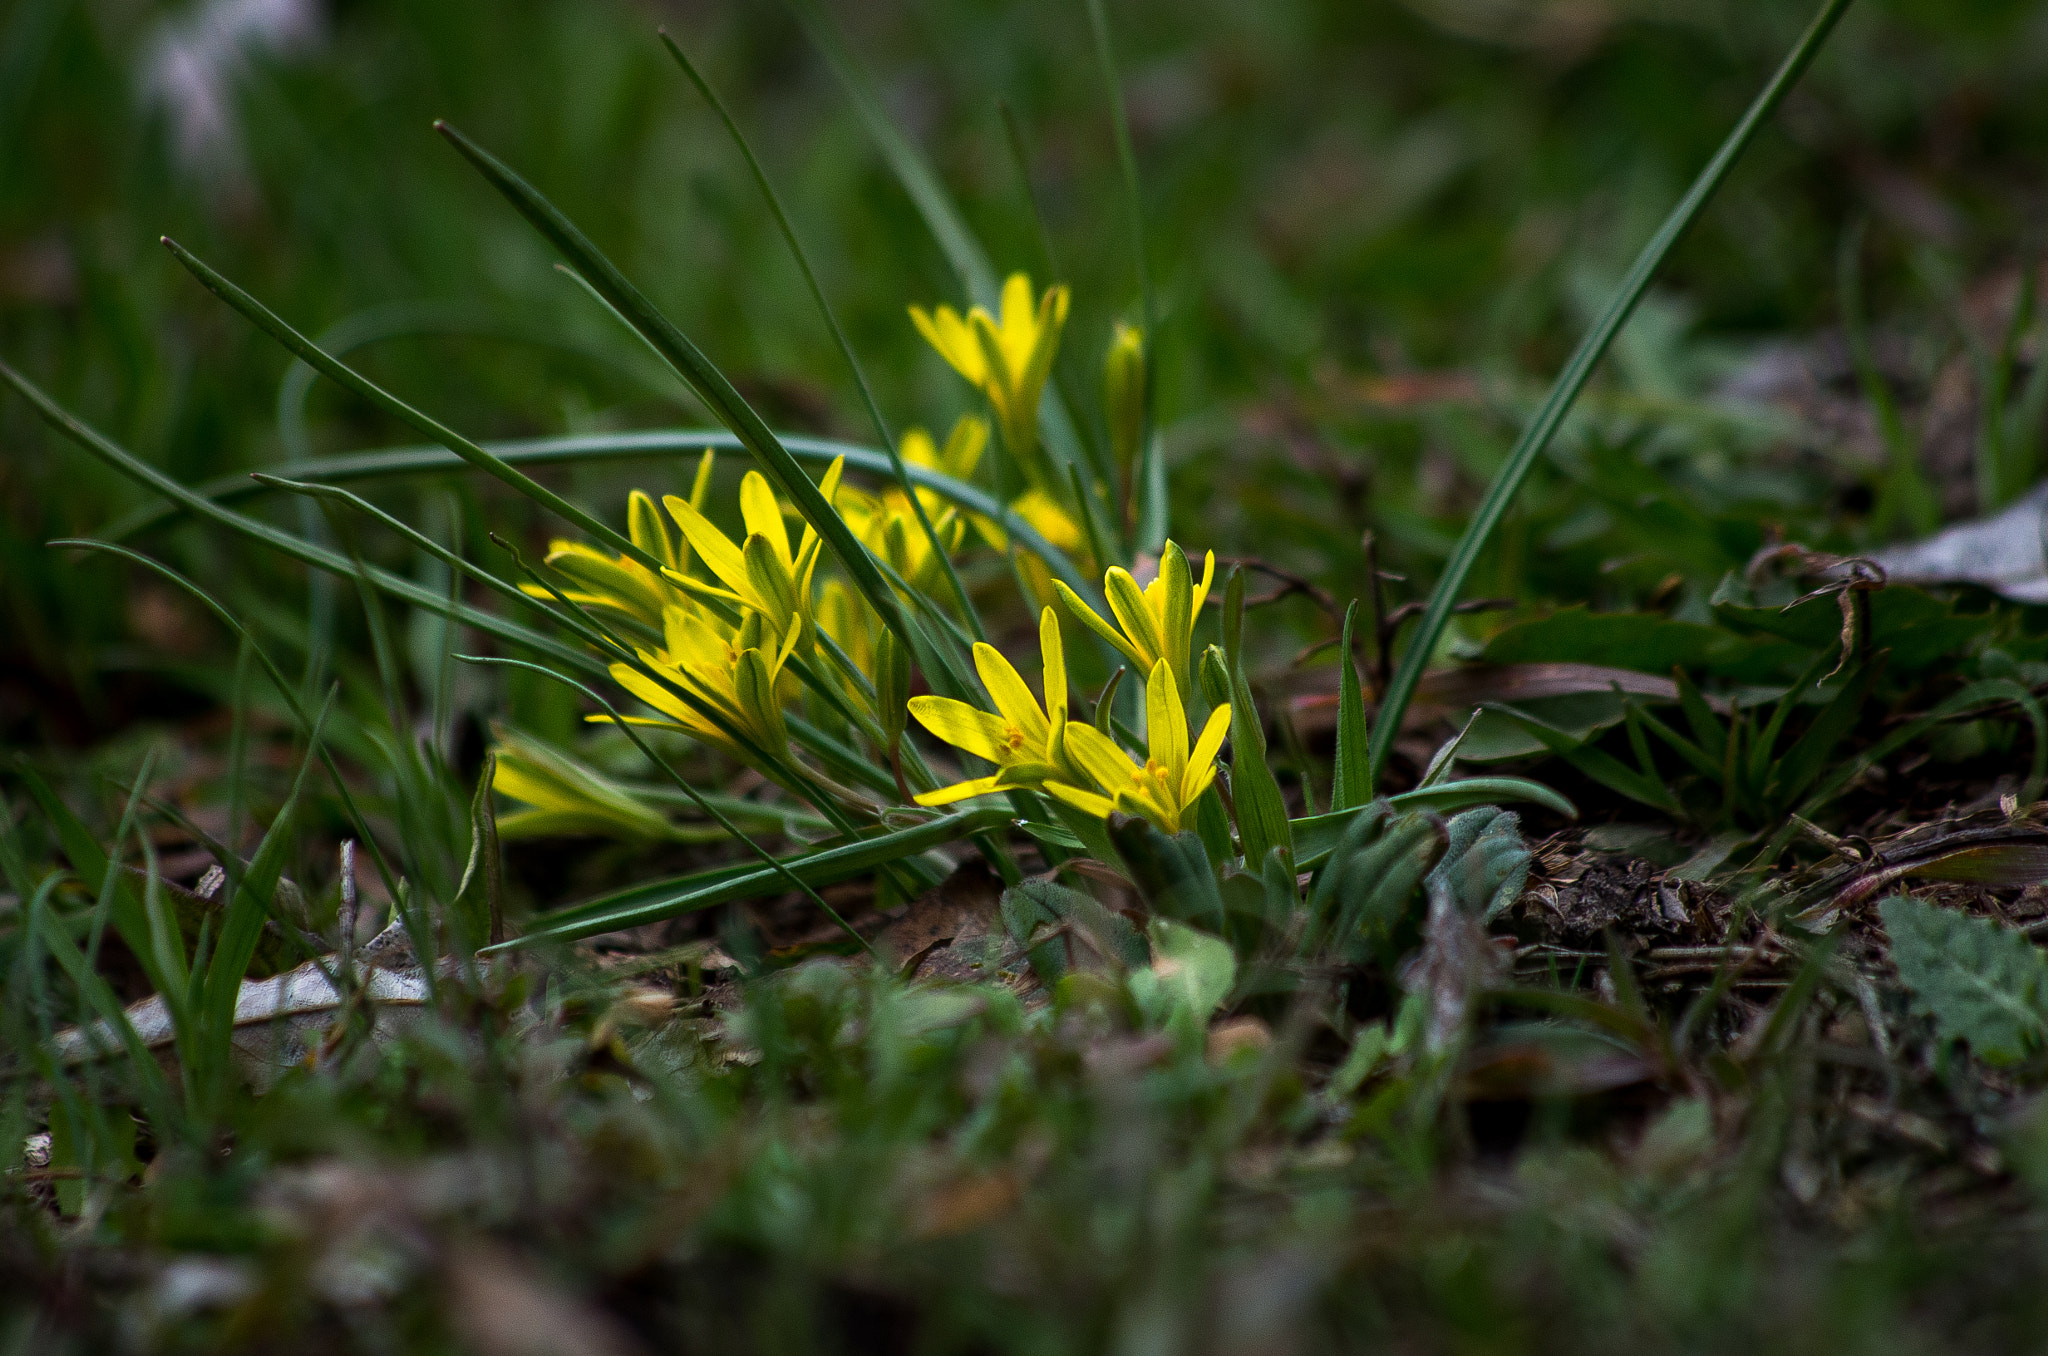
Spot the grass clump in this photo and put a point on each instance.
(777, 968)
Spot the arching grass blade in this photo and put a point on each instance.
(1550, 416)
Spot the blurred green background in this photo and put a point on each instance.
(1377, 228)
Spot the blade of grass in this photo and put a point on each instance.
(702, 376)
(701, 801)
(1351, 783)
(803, 263)
(120, 459)
(1152, 514)
(1551, 415)
(941, 216)
(284, 688)
(349, 379)
(817, 869)
(600, 448)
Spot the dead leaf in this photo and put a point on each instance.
(501, 1308)
(2002, 552)
(967, 901)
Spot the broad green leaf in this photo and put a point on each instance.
(1191, 973)
(1982, 983)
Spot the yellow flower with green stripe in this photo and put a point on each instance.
(1008, 359)
(1022, 738)
(1174, 776)
(735, 673)
(759, 574)
(1156, 622)
(619, 584)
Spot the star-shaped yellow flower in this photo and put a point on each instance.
(735, 673)
(759, 574)
(1174, 777)
(1158, 621)
(1008, 359)
(1024, 740)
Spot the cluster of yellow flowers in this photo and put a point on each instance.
(717, 627)
(1038, 747)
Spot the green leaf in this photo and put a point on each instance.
(1807, 757)
(1609, 771)
(350, 380)
(1564, 392)
(1191, 973)
(1316, 835)
(1172, 872)
(711, 386)
(1351, 783)
(1981, 982)
(653, 444)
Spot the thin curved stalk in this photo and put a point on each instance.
(391, 463)
(1550, 417)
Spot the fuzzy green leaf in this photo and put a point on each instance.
(1981, 982)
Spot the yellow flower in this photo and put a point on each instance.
(620, 584)
(1158, 621)
(736, 673)
(759, 574)
(958, 458)
(1024, 740)
(1173, 779)
(1009, 360)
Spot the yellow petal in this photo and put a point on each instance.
(1134, 614)
(1087, 802)
(945, 331)
(1176, 607)
(713, 547)
(964, 727)
(1011, 696)
(1202, 762)
(1052, 650)
(964, 446)
(1166, 723)
(768, 575)
(648, 532)
(1085, 615)
(1108, 766)
(763, 516)
(946, 795)
(1019, 331)
(1208, 578)
(916, 446)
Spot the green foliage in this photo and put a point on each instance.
(1980, 982)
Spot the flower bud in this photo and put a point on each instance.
(1123, 393)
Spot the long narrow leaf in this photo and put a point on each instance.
(598, 448)
(1551, 415)
(803, 263)
(816, 870)
(700, 374)
(120, 459)
(349, 379)
(1351, 784)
